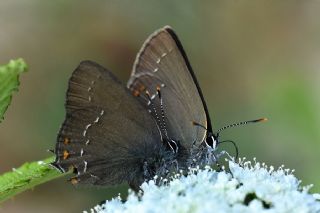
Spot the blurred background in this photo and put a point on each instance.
(252, 59)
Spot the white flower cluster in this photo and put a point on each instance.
(250, 187)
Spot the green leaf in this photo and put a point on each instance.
(26, 177)
(9, 82)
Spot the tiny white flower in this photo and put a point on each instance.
(250, 187)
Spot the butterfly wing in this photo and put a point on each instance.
(107, 134)
(163, 63)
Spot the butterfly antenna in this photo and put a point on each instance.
(150, 102)
(171, 143)
(241, 123)
(162, 112)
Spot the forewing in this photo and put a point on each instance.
(107, 133)
(163, 63)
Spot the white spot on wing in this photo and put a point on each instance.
(89, 125)
(86, 128)
(97, 120)
(85, 166)
(92, 175)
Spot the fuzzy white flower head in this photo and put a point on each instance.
(250, 187)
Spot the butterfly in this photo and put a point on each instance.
(114, 133)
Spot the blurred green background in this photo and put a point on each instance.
(252, 59)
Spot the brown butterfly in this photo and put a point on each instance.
(113, 133)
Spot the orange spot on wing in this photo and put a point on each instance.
(66, 141)
(136, 93)
(65, 154)
(142, 87)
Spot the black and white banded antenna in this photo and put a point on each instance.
(240, 123)
(162, 112)
(171, 143)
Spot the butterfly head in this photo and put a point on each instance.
(212, 140)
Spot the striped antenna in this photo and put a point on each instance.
(154, 110)
(241, 123)
(162, 112)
